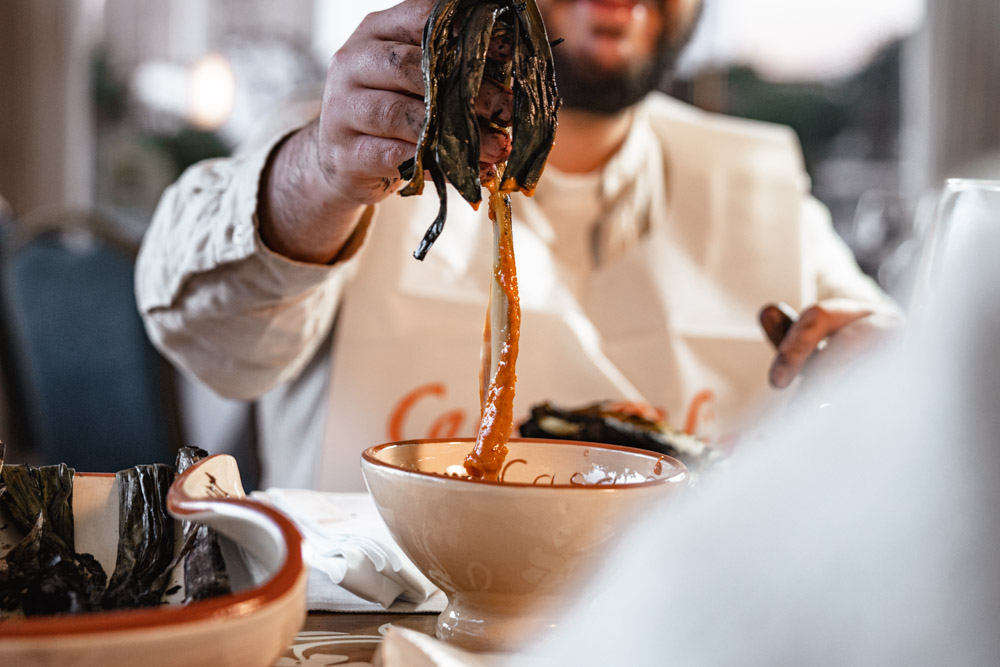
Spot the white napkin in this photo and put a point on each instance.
(354, 564)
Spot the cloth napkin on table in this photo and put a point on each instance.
(354, 564)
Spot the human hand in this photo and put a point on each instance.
(317, 183)
(824, 337)
(373, 108)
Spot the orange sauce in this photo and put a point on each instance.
(486, 459)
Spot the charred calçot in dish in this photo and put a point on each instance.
(465, 42)
(618, 425)
(43, 574)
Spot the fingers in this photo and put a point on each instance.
(828, 370)
(391, 115)
(804, 337)
(373, 108)
(864, 335)
(379, 157)
(776, 319)
(387, 65)
(494, 146)
(402, 23)
(501, 47)
(385, 114)
(495, 103)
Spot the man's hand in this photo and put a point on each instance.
(370, 122)
(826, 336)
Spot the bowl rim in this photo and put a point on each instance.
(232, 605)
(682, 474)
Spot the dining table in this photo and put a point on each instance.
(330, 638)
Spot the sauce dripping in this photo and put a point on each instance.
(500, 345)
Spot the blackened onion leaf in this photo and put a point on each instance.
(536, 102)
(46, 492)
(145, 537)
(456, 57)
(41, 574)
(603, 422)
(205, 573)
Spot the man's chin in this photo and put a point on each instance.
(585, 86)
(608, 100)
(603, 107)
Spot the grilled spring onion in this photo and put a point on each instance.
(456, 57)
(42, 574)
(463, 41)
(205, 573)
(604, 422)
(145, 537)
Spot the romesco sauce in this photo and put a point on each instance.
(485, 461)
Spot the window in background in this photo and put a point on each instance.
(178, 81)
(832, 72)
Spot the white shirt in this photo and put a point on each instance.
(640, 282)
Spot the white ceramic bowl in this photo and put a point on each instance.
(251, 626)
(510, 555)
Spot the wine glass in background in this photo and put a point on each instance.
(967, 216)
(896, 264)
(887, 235)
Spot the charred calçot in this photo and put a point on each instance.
(463, 42)
(603, 422)
(43, 574)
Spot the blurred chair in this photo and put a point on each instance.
(87, 385)
(8, 427)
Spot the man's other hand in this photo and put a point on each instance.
(824, 337)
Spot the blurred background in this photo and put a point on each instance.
(104, 102)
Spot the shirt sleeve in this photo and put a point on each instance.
(836, 272)
(214, 299)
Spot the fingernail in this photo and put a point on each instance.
(781, 376)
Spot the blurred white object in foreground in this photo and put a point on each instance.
(868, 533)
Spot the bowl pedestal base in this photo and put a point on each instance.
(495, 623)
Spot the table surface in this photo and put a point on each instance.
(347, 637)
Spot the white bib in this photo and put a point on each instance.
(668, 316)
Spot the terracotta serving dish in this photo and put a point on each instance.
(251, 626)
(511, 555)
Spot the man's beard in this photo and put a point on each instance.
(587, 87)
